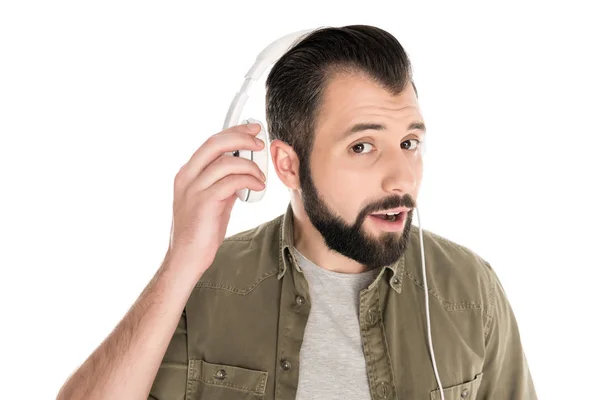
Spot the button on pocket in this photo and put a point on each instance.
(464, 391)
(221, 374)
(223, 381)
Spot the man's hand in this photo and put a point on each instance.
(204, 193)
(125, 364)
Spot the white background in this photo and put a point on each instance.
(101, 103)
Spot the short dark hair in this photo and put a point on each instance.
(296, 83)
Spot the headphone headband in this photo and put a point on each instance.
(266, 58)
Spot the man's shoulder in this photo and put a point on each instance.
(444, 249)
(457, 275)
(245, 258)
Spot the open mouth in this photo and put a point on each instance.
(392, 217)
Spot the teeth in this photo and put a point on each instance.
(392, 213)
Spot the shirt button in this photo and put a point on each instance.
(395, 281)
(300, 300)
(383, 390)
(464, 393)
(285, 364)
(371, 317)
(220, 374)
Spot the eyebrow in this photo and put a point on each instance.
(378, 127)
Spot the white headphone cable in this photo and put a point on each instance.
(427, 308)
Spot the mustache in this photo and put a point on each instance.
(386, 204)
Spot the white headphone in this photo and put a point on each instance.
(265, 59)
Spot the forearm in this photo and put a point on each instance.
(125, 364)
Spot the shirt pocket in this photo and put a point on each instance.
(464, 391)
(221, 381)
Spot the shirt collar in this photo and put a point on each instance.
(286, 258)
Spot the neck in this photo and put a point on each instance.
(311, 244)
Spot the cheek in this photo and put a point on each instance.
(418, 171)
(346, 191)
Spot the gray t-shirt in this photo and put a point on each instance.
(332, 362)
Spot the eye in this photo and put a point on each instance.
(360, 147)
(416, 144)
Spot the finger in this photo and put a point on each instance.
(224, 165)
(228, 185)
(214, 147)
(248, 129)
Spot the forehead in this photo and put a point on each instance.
(351, 98)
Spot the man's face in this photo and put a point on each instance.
(357, 172)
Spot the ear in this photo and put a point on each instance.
(286, 163)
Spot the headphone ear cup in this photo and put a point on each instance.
(261, 158)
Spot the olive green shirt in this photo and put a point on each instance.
(240, 334)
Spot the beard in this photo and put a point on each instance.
(352, 240)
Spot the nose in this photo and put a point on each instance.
(400, 175)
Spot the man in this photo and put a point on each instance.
(327, 300)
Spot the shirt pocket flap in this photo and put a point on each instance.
(248, 380)
(464, 391)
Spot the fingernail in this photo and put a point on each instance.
(263, 175)
(253, 127)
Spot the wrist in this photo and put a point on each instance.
(185, 265)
